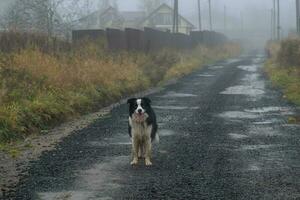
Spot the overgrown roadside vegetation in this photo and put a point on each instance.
(43, 84)
(283, 67)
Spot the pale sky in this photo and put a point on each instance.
(256, 13)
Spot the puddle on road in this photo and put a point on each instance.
(253, 167)
(175, 94)
(100, 179)
(67, 195)
(163, 152)
(265, 122)
(258, 60)
(238, 115)
(117, 140)
(238, 136)
(243, 90)
(264, 131)
(251, 85)
(252, 79)
(166, 132)
(216, 67)
(103, 175)
(175, 108)
(256, 147)
(234, 60)
(249, 68)
(268, 109)
(205, 75)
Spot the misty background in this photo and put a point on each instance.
(245, 20)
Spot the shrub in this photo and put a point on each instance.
(289, 53)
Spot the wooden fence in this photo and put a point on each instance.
(149, 39)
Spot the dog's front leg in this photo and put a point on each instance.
(148, 147)
(135, 150)
(141, 150)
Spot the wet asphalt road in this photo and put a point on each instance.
(223, 135)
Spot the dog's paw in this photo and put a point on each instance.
(134, 162)
(148, 162)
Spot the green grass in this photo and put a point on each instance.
(285, 78)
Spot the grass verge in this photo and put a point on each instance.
(283, 68)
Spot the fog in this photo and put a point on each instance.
(245, 19)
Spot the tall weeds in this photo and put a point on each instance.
(41, 87)
(283, 67)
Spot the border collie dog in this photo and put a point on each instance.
(142, 128)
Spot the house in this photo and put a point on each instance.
(109, 18)
(132, 18)
(160, 19)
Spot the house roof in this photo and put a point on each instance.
(137, 17)
(171, 9)
(133, 15)
(100, 13)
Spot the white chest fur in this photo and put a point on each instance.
(140, 130)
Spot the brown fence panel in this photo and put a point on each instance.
(116, 39)
(150, 39)
(79, 35)
(135, 40)
(153, 39)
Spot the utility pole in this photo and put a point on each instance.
(278, 20)
(298, 16)
(242, 23)
(210, 17)
(272, 23)
(175, 17)
(274, 20)
(225, 19)
(199, 16)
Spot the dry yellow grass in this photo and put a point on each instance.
(283, 69)
(40, 89)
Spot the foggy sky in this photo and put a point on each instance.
(255, 14)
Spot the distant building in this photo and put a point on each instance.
(109, 18)
(161, 19)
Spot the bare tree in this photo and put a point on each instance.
(35, 15)
(12, 19)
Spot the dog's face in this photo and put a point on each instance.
(138, 107)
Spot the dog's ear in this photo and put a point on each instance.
(130, 101)
(147, 100)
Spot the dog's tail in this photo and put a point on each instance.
(157, 138)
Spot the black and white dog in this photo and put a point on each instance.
(142, 128)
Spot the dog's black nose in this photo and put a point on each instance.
(140, 111)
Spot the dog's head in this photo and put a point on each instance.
(138, 107)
